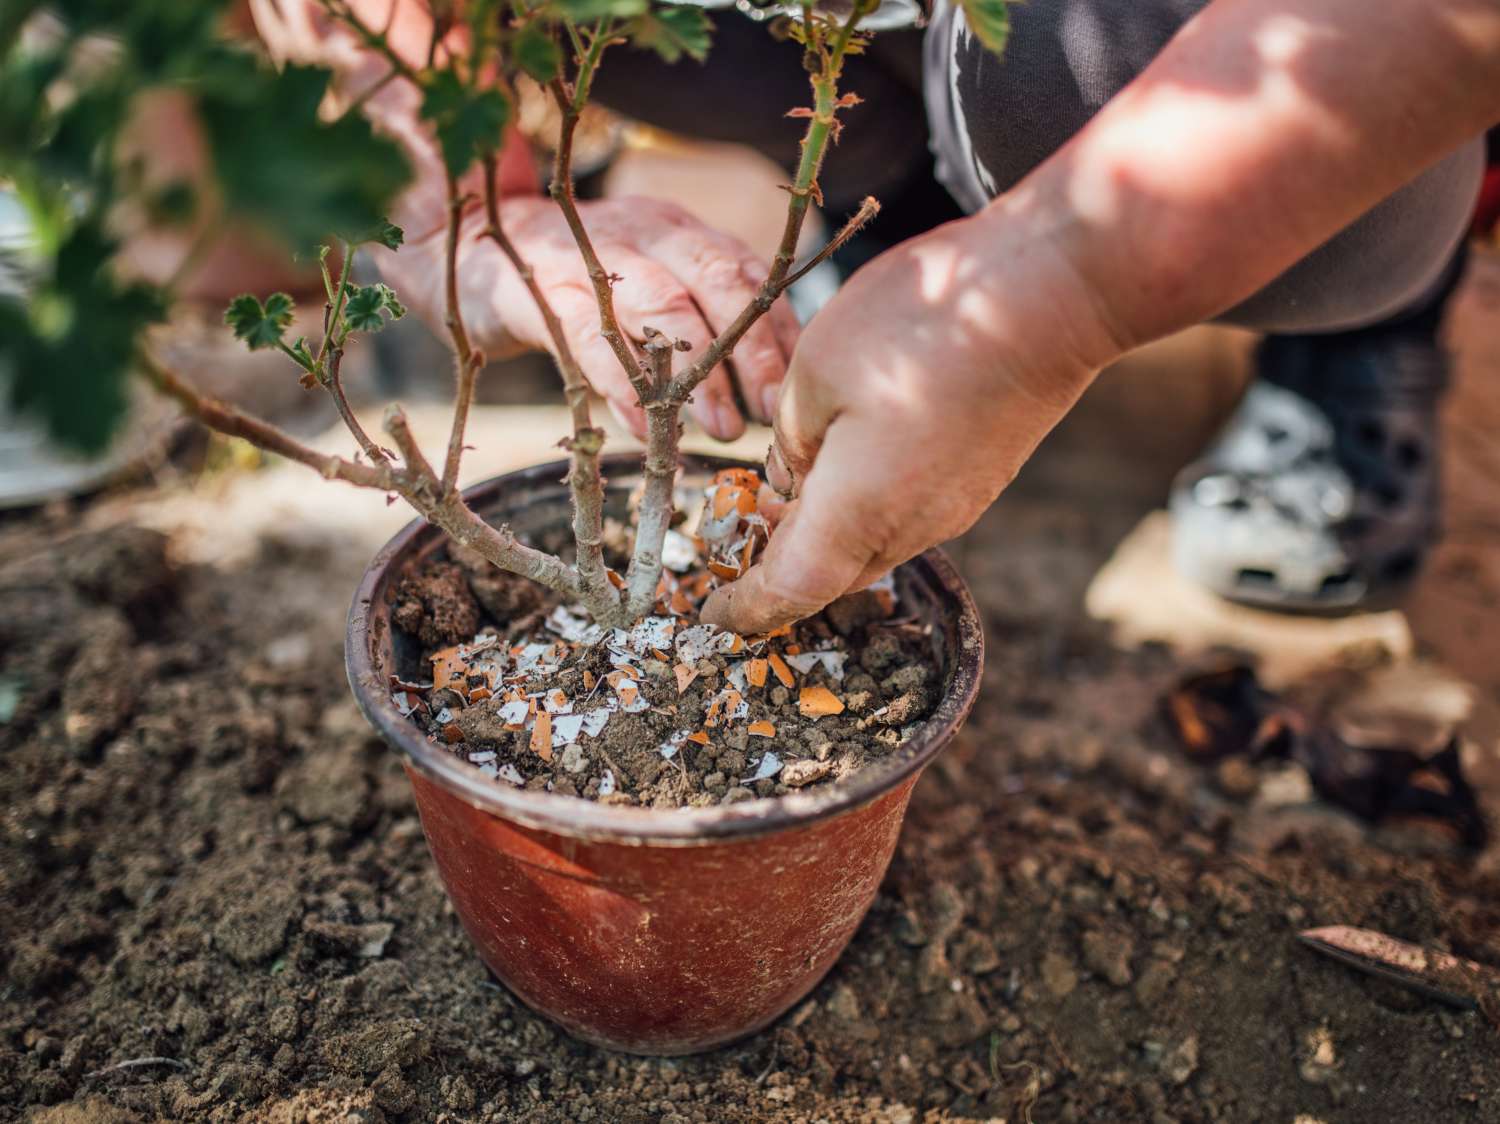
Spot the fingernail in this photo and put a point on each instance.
(769, 397)
(777, 473)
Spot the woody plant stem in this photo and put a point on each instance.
(662, 395)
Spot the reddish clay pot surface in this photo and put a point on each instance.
(653, 931)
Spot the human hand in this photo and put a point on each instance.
(676, 275)
(911, 402)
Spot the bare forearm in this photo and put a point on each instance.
(1258, 133)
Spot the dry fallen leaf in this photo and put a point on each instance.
(817, 702)
(453, 733)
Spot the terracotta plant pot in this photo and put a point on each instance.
(653, 931)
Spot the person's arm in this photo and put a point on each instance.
(676, 275)
(1258, 133)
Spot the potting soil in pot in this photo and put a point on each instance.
(670, 713)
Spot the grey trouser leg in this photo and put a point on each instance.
(992, 121)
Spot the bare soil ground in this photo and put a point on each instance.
(217, 903)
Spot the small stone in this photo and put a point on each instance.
(843, 1004)
(365, 941)
(1108, 955)
(1319, 1058)
(799, 773)
(1058, 975)
(1289, 785)
(1181, 1061)
(1237, 778)
(1154, 981)
(737, 795)
(573, 759)
(854, 611)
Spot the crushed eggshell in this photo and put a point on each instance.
(573, 627)
(566, 728)
(516, 712)
(782, 672)
(678, 553)
(818, 702)
(761, 729)
(668, 748)
(756, 672)
(541, 736)
(685, 676)
(508, 772)
(700, 737)
(607, 783)
(832, 662)
(769, 766)
(556, 701)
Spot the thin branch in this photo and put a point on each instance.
(584, 479)
(335, 387)
(226, 419)
(466, 361)
(561, 191)
(867, 211)
(377, 40)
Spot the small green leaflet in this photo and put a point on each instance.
(384, 233)
(990, 21)
(470, 122)
(362, 311)
(674, 31)
(536, 52)
(259, 325)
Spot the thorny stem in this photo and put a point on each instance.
(600, 596)
(466, 361)
(820, 127)
(868, 209)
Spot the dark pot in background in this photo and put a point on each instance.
(653, 931)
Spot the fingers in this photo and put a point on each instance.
(826, 542)
(805, 410)
(722, 277)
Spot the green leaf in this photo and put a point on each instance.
(384, 233)
(673, 32)
(280, 164)
(470, 122)
(990, 21)
(67, 350)
(588, 11)
(260, 325)
(536, 52)
(362, 311)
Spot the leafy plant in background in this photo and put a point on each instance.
(73, 72)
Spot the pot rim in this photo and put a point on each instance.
(580, 818)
